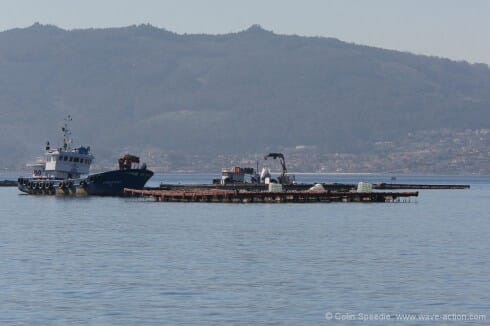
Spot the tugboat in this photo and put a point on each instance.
(60, 170)
(65, 171)
(112, 183)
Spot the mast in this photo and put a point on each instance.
(66, 134)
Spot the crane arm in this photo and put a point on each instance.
(281, 159)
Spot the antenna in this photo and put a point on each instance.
(66, 133)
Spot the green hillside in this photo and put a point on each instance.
(144, 87)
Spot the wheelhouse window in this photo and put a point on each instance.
(75, 160)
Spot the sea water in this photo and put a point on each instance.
(120, 261)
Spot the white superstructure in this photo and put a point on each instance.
(65, 162)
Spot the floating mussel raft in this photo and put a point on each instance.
(244, 196)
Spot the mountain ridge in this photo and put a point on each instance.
(227, 93)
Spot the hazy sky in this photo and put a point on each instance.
(457, 29)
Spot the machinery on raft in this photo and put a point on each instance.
(240, 175)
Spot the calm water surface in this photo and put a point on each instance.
(127, 262)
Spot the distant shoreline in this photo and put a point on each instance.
(6, 171)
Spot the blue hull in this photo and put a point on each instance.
(112, 183)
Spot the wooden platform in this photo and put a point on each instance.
(340, 187)
(240, 196)
(391, 186)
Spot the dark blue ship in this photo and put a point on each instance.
(112, 183)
